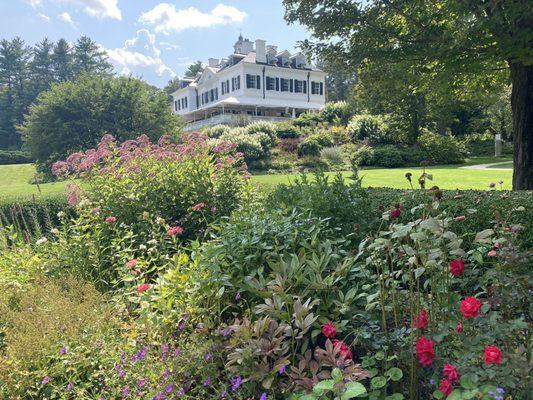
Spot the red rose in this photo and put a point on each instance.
(492, 355)
(329, 330)
(420, 321)
(459, 327)
(143, 287)
(175, 230)
(425, 351)
(395, 214)
(470, 307)
(450, 372)
(446, 387)
(344, 350)
(457, 267)
(110, 220)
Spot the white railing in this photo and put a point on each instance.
(231, 119)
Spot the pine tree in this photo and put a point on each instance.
(89, 58)
(62, 61)
(41, 67)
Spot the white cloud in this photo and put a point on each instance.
(34, 3)
(165, 18)
(139, 53)
(65, 17)
(44, 17)
(99, 8)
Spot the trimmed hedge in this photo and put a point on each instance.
(34, 216)
(14, 157)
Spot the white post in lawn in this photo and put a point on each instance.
(498, 145)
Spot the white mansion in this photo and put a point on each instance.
(252, 83)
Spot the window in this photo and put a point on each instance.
(316, 88)
(223, 88)
(212, 94)
(291, 85)
(277, 84)
(175, 105)
(321, 88)
(284, 85)
(298, 86)
(186, 102)
(305, 86)
(236, 83)
(216, 93)
(253, 81)
(270, 83)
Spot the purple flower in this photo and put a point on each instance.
(70, 386)
(166, 374)
(159, 396)
(45, 380)
(177, 352)
(125, 391)
(238, 296)
(181, 326)
(63, 350)
(500, 390)
(207, 382)
(164, 348)
(223, 394)
(169, 388)
(263, 396)
(235, 383)
(208, 357)
(282, 369)
(225, 332)
(180, 393)
(432, 381)
(141, 382)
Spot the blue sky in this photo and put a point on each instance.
(155, 40)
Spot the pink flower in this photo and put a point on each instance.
(460, 218)
(344, 350)
(492, 355)
(198, 207)
(492, 253)
(131, 263)
(459, 328)
(329, 330)
(457, 267)
(110, 220)
(421, 320)
(470, 307)
(395, 214)
(143, 288)
(174, 231)
(450, 372)
(425, 351)
(446, 387)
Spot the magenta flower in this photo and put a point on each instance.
(45, 380)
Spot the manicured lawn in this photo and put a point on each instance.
(14, 179)
(443, 177)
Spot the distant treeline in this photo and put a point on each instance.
(27, 71)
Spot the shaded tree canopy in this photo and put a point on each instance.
(443, 39)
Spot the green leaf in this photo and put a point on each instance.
(455, 395)
(378, 382)
(394, 374)
(395, 396)
(336, 374)
(353, 389)
(419, 272)
(485, 308)
(380, 355)
(469, 381)
(322, 386)
(438, 394)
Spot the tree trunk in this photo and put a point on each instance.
(522, 107)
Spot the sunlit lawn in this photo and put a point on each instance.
(15, 179)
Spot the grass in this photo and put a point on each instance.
(507, 165)
(15, 179)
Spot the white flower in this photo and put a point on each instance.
(142, 247)
(41, 241)
(160, 220)
(83, 203)
(54, 231)
(60, 214)
(152, 241)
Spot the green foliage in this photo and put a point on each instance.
(369, 127)
(216, 131)
(14, 157)
(39, 320)
(254, 146)
(338, 113)
(73, 116)
(307, 118)
(334, 156)
(483, 145)
(441, 149)
(309, 147)
(346, 206)
(389, 156)
(287, 131)
(268, 128)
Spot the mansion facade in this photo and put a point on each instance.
(256, 82)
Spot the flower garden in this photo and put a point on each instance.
(170, 276)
